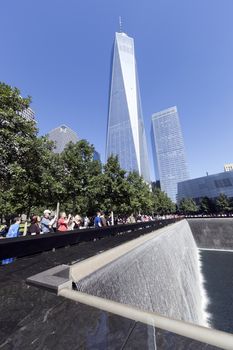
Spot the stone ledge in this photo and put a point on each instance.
(53, 279)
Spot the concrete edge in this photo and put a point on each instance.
(53, 279)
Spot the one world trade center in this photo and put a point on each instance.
(126, 136)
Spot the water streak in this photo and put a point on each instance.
(162, 275)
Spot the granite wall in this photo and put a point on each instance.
(216, 233)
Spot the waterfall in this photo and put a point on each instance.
(213, 233)
(162, 275)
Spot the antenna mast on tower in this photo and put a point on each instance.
(120, 24)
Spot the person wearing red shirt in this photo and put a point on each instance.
(62, 224)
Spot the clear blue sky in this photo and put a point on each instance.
(58, 51)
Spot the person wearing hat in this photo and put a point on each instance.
(46, 222)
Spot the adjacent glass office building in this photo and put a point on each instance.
(61, 136)
(125, 132)
(207, 186)
(168, 151)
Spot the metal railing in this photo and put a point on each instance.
(201, 334)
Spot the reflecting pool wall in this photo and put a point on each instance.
(162, 275)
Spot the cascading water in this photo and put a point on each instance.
(162, 275)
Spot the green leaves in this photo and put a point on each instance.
(188, 206)
(207, 206)
(80, 171)
(113, 191)
(17, 135)
(141, 199)
(223, 204)
(162, 203)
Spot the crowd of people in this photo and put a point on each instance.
(50, 222)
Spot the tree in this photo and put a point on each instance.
(24, 156)
(79, 169)
(33, 181)
(51, 179)
(114, 194)
(207, 206)
(140, 195)
(162, 204)
(16, 133)
(188, 206)
(222, 204)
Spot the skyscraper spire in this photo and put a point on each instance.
(120, 24)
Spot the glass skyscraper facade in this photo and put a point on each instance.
(168, 151)
(126, 136)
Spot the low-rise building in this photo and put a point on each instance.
(207, 186)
